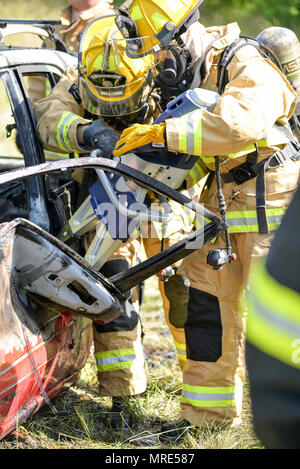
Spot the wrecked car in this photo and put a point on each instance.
(49, 292)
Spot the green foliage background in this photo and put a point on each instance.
(252, 15)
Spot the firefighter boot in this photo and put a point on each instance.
(174, 432)
(119, 419)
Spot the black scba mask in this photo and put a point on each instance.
(175, 73)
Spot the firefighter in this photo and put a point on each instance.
(118, 90)
(273, 337)
(67, 122)
(76, 16)
(249, 133)
(74, 19)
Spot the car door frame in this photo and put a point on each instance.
(37, 188)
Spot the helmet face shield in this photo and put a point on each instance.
(113, 101)
(111, 83)
(147, 48)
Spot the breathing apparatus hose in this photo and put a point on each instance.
(222, 207)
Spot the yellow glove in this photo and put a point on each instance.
(139, 135)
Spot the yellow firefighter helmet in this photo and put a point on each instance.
(110, 83)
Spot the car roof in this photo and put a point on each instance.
(14, 56)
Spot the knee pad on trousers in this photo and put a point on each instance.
(113, 267)
(129, 317)
(177, 292)
(203, 328)
(126, 322)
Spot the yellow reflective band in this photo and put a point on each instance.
(114, 366)
(209, 389)
(252, 213)
(251, 228)
(98, 62)
(181, 350)
(197, 173)
(205, 396)
(198, 136)
(136, 13)
(181, 356)
(263, 143)
(192, 175)
(182, 137)
(273, 317)
(159, 21)
(180, 346)
(201, 171)
(62, 130)
(190, 135)
(115, 359)
(52, 156)
(242, 152)
(245, 221)
(208, 159)
(48, 87)
(115, 353)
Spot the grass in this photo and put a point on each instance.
(82, 420)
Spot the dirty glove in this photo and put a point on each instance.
(139, 135)
(99, 135)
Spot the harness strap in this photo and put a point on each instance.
(261, 211)
(246, 171)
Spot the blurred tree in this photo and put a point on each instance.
(252, 15)
(286, 13)
(117, 3)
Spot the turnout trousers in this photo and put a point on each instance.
(174, 294)
(214, 371)
(175, 291)
(118, 344)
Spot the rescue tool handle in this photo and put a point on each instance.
(5, 21)
(141, 179)
(147, 215)
(120, 284)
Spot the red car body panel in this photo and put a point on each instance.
(33, 369)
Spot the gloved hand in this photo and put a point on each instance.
(99, 135)
(139, 135)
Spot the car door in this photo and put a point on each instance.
(34, 364)
(36, 199)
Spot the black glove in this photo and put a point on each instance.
(98, 135)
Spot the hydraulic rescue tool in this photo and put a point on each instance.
(116, 206)
(121, 283)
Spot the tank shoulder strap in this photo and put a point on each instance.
(227, 56)
(229, 52)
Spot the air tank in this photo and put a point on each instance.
(285, 44)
